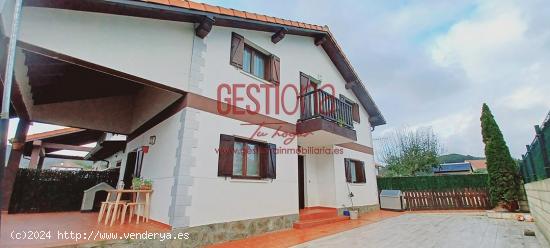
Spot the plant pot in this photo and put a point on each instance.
(146, 187)
(353, 214)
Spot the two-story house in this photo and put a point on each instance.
(240, 119)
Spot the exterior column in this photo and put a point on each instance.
(40, 160)
(532, 163)
(37, 151)
(13, 162)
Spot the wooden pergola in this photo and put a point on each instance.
(42, 145)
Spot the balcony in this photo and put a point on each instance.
(324, 120)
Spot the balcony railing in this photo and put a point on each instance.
(320, 104)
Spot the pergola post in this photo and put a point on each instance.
(37, 155)
(14, 159)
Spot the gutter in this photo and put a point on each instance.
(199, 13)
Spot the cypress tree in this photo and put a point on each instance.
(503, 178)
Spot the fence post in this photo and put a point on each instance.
(532, 163)
(542, 142)
(525, 171)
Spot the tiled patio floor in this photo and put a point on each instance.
(83, 223)
(293, 237)
(416, 230)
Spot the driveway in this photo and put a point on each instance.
(434, 230)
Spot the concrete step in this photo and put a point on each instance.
(317, 222)
(318, 213)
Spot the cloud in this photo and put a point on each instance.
(491, 38)
(504, 62)
(525, 98)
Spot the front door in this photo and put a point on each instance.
(301, 185)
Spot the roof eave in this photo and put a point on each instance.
(348, 72)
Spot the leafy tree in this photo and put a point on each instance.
(503, 178)
(410, 152)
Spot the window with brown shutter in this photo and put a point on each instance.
(274, 69)
(248, 159)
(347, 170)
(360, 171)
(355, 114)
(225, 155)
(237, 50)
(355, 171)
(354, 108)
(245, 56)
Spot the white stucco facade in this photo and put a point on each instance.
(183, 162)
(127, 44)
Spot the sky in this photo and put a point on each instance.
(434, 63)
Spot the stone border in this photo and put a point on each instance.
(207, 234)
(362, 209)
(220, 232)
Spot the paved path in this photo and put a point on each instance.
(434, 230)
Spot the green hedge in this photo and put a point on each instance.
(434, 183)
(37, 191)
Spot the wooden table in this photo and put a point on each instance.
(119, 193)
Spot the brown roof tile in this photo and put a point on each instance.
(212, 9)
(179, 3)
(270, 19)
(232, 12)
(197, 6)
(478, 164)
(226, 11)
(279, 21)
(239, 13)
(262, 18)
(250, 15)
(165, 2)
